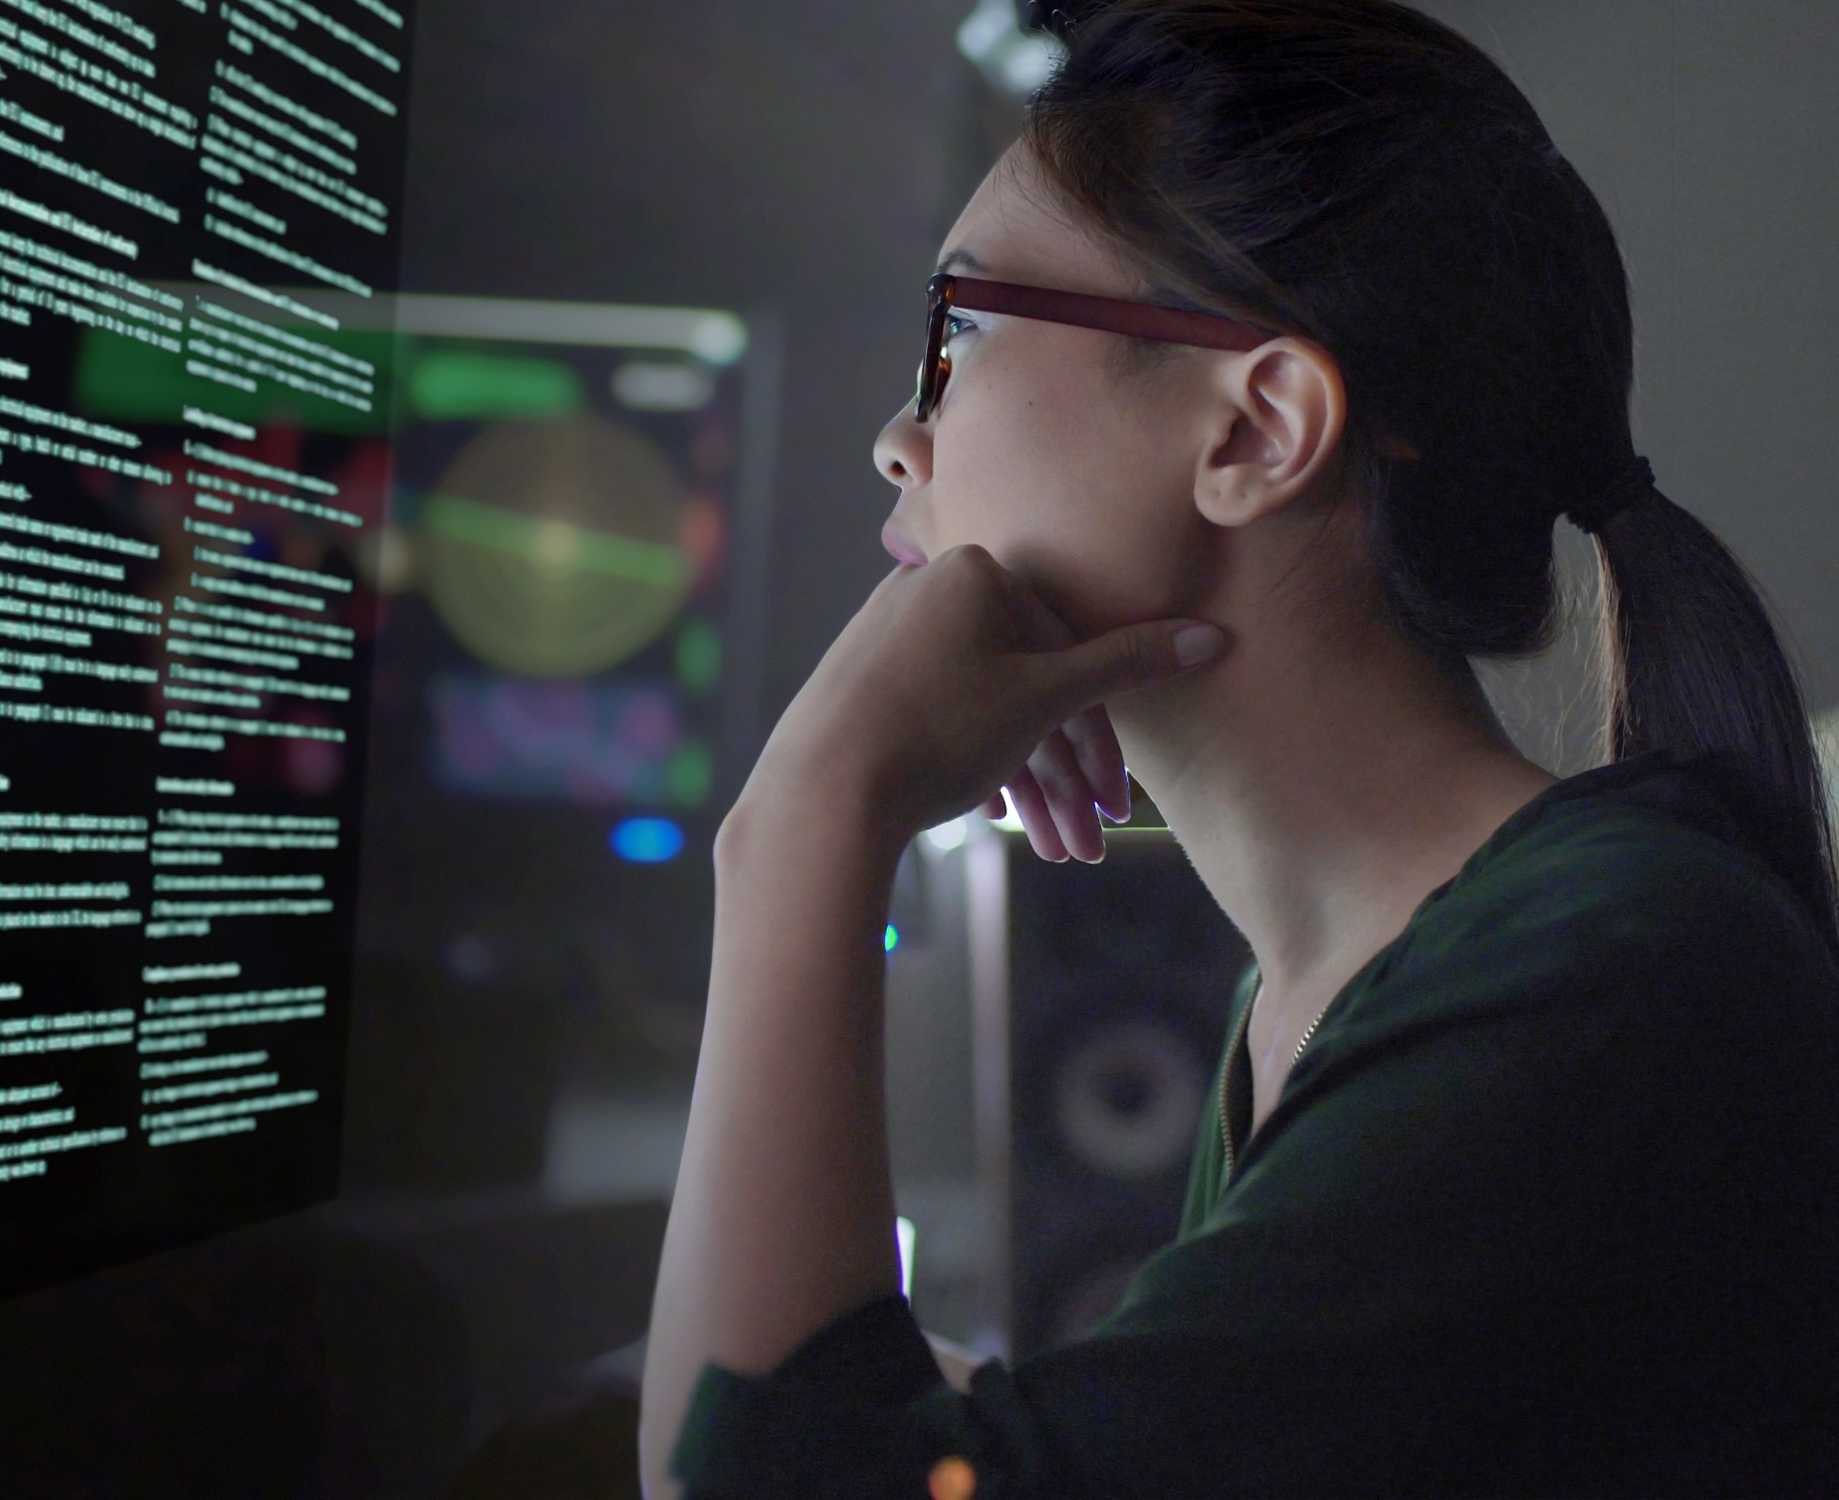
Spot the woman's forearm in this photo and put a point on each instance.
(783, 1212)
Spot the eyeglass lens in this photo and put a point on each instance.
(932, 372)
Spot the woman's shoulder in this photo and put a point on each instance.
(1610, 882)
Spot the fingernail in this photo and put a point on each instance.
(1198, 643)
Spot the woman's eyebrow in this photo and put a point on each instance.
(959, 257)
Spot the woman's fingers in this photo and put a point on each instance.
(1031, 807)
(1095, 745)
(1054, 793)
(1069, 797)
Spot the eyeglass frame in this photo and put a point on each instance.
(1143, 320)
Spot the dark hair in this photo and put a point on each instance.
(1358, 174)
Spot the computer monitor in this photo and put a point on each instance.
(188, 488)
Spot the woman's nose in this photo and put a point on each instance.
(903, 450)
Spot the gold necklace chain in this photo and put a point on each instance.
(1233, 1051)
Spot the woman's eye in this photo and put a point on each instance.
(963, 326)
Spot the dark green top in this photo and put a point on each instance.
(1549, 1205)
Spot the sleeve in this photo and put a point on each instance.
(859, 1409)
(1549, 1211)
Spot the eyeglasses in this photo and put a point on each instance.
(1113, 314)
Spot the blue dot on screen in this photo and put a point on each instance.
(890, 939)
(647, 841)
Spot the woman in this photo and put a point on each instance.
(1523, 1174)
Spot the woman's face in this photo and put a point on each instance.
(1081, 485)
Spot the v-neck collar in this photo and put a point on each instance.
(1234, 1107)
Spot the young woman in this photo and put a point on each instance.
(1287, 318)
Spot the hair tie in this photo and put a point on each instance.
(1633, 487)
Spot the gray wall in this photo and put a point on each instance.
(1707, 131)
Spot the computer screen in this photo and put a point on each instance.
(194, 469)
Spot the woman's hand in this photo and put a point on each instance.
(949, 678)
(1078, 765)
(1054, 791)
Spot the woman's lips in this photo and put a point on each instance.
(900, 549)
